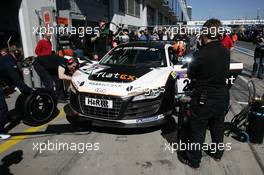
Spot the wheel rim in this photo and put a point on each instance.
(244, 137)
(41, 107)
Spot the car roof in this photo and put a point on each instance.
(153, 44)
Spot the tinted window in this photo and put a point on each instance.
(136, 56)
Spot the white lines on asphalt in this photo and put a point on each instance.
(242, 48)
(245, 51)
(243, 79)
(242, 102)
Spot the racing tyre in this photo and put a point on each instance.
(37, 108)
(243, 136)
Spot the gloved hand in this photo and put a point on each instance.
(23, 88)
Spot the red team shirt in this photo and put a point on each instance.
(43, 48)
(227, 42)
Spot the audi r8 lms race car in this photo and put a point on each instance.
(134, 85)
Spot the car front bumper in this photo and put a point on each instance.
(142, 122)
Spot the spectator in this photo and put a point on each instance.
(154, 36)
(160, 33)
(133, 36)
(164, 35)
(227, 42)
(258, 58)
(123, 37)
(193, 42)
(142, 36)
(89, 45)
(146, 33)
(44, 46)
(65, 51)
(77, 44)
(3, 52)
(170, 35)
(234, 37)
(101, 40)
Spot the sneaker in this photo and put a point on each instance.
(4, 136)
(183, 159)
(212, 155)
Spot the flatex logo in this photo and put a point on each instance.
(119, 76)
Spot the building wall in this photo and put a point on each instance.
(93, 10)
(152, 12)
(126, 19)
(96, 10)
(110, 10)
(189, 11)
(28, 19)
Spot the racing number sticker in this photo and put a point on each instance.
(183, 84)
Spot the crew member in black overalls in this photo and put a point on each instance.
(208, 71)
(54, 69)
(9, 74)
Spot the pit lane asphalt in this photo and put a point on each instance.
(125, 152)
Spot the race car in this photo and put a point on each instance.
(134, 85)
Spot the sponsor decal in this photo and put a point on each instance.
(100, 103)
(105, 85)
(148, 119)
(119, 76)
(100, 90)
(173, 74)
(129, 88)
(183, 82)
(154, 91)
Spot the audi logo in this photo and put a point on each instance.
(100, 90)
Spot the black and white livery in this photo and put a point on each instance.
(134, 85)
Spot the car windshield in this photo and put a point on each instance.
(135, 56)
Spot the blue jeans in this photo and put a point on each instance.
(3, 109)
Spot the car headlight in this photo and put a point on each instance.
(149, 94)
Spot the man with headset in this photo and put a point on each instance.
(208, 72)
